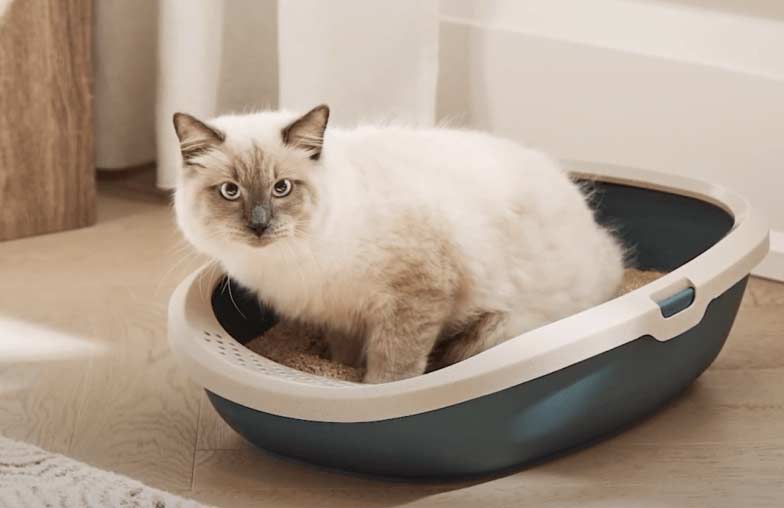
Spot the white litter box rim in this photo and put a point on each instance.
(239, 375)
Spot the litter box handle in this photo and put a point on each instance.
(682, 297)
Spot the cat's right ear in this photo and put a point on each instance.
(196, 137)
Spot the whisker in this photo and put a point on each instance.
(231, 297)
(185, 258)
(214, 272)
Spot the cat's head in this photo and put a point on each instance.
(249, 180)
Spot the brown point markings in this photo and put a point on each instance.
(255, 172)
(307, 132)
(423, 278)
(471, 338)
(196, 137)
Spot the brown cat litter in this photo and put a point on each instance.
(633, 279)
(303, 348)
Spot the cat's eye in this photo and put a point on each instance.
(282, 188)
(230, 191)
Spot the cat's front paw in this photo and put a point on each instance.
(346, 353)
(375, 378)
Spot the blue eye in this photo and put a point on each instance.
(282, 188)
(230, 191)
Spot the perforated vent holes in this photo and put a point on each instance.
(226, 349)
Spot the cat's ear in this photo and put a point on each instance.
(307, 132)
(196, 137)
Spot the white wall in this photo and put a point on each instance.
(668, 85)
(732, 34)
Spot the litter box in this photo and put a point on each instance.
(549, 390)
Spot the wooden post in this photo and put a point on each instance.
(47, 173)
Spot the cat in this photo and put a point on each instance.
(397, 240)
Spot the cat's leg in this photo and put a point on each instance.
(398, 345)
(345, 348)
(484, 332)
(421, 280)
(398, 350)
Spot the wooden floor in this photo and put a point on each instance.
(85, 370)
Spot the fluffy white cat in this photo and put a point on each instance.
(397, 240)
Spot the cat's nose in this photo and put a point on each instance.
(259, 219)
(258, 227)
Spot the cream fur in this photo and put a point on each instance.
(523, 236)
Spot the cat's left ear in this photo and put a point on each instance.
(195, 136)
(307, 132)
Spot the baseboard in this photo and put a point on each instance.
(772, 267)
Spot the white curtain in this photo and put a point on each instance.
(368, 59)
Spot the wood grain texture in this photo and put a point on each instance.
(766, 292)
(85, 367)
(757, 340)
(148, 415)
(541, 494)
(46, 141)
(85, 370)
(31, 409)
(214, 433)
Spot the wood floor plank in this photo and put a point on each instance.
(723, 406)
(610, 474)
(47, 344)
(251, 469)
(130, 408)
(148, 415)
(214, 433)
(31, 410)
(546, 496)
(756, 340)
(323, 498)
(766, 292)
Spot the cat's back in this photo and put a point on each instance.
(437, 149)
(433, 163)
(522, 227)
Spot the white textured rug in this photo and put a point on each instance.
(33, 478)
